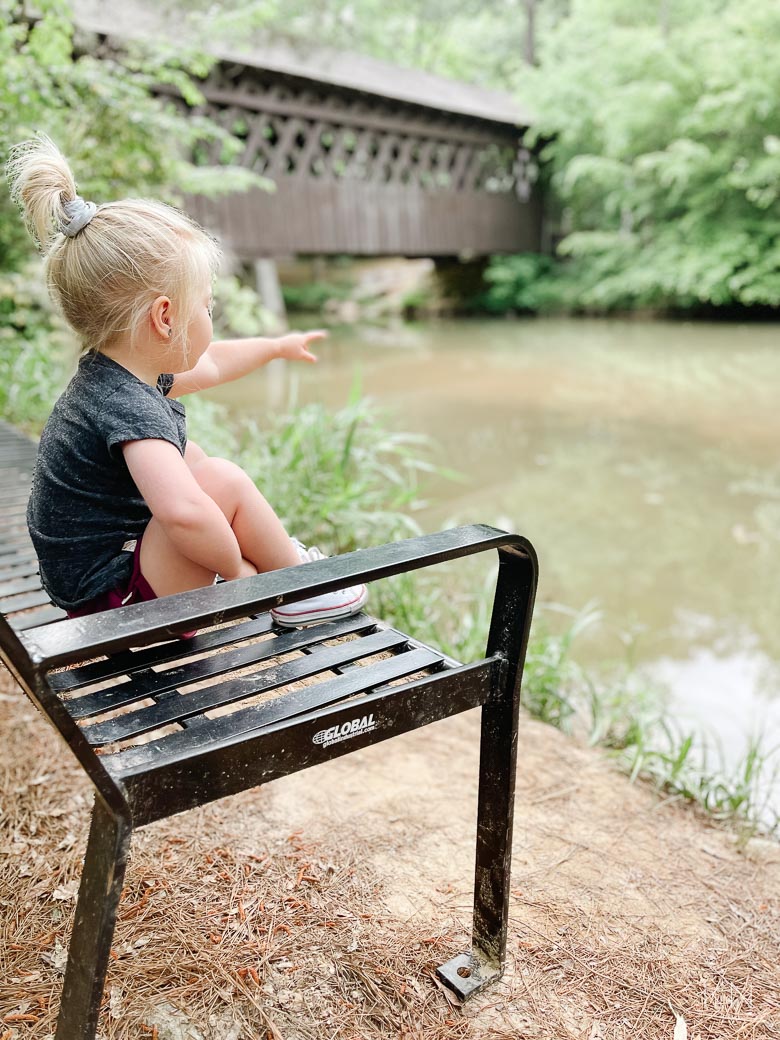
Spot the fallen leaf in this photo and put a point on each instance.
(115, 1001)
(57, 958)
(66, 893)
(451, 996)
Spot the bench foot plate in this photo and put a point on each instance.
(466, 975)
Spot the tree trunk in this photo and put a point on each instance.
(663, 18)
(530, 31)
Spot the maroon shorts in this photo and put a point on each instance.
(137, 590)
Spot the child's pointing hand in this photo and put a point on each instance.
(295, 345)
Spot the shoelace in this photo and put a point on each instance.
(313, 553)
(310, 554)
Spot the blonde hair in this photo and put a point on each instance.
(105, 278)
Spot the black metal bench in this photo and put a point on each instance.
(154, 746)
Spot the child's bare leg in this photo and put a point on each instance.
(259, 531)
(193, 454)
(264, 543)
(165, 568)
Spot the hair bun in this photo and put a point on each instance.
(41, 182)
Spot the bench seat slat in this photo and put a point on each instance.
(22, 552)
(212, 732)
(18, 565)
(126, 662)
(14, 533)
(16, 542)
(15, 537)
(13, 603)
(36, 619)
(178, 707)
(13, 511)
(13, 529)
(23, 578)
(152, 684)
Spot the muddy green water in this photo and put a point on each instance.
(642, 460)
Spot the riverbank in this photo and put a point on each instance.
(318, 906)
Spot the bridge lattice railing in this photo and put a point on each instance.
(304, 132)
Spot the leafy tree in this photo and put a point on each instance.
(662, 130)
(462, 39)
(120, 136)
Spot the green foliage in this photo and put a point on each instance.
(36, 350)
(121, 138)
(462, 39)
(343, 480)
(612, 708)
(663, 133)
(239, 311)
(680, 763)
(339, 479)
(523, 283)
(313, 296)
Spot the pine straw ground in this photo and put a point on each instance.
(318, 907)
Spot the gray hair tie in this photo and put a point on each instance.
(79, 214)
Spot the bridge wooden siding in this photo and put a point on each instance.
(367, 158)
(367, 174)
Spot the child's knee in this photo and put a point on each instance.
(247, 569)
(215, 474)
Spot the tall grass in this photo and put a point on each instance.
(340, 479)
(36, 352)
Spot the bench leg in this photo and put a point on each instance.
(469, 972)
(93, 929)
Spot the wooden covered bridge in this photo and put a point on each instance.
(367, 158)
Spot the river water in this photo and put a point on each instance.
(642, 459)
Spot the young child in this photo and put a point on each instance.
(123, 507)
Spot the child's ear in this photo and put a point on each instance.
(160, 317)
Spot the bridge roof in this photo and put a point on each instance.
(372, 76)
(358, 72)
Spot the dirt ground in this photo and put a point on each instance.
(318, 907)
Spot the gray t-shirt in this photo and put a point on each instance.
(84, 504)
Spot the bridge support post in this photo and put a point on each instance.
(269, 290)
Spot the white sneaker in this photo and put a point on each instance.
(310, 554)
(329, 605)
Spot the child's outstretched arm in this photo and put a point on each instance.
(230, 359)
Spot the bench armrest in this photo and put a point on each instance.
(76, 639)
